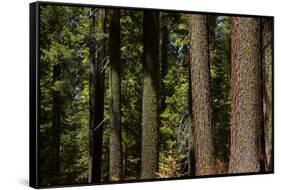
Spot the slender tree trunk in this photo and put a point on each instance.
(191, 151)
(267, 95)
(115, 146)
(150, 103)
(211, 45)
(201, 96)
(96, 103)
(164, 63)
(92, 102)
(56, 122)
(246, 115)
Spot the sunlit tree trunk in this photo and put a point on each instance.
(246, 84)
(201, 96)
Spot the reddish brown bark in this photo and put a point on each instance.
(246, 116)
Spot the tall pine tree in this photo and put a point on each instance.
(150, 102)
(201, 96)
(246, 117)
(115, 144)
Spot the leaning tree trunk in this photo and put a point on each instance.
(201, 96)
(96, 103)
(150, 103)
(267, 95)
(115, 145)
(246, 116)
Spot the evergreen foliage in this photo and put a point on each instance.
(153, 75)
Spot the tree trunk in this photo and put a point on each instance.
(191, 151)
(211, 25)
(267, 95)
(96, 103)
(164, 64)
(246, 115)
(115, 146)
(201, 96)
(150, 102)
(56, 122)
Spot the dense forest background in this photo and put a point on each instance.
(132, 94)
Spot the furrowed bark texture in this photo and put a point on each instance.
(267, 95)
(115, 146)
(150, 104)
(246, 115)
(96, 104)
(201, 96)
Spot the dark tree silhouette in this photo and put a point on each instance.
(115, 146)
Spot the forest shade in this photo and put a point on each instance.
(136, 77)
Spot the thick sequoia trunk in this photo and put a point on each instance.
(150, 103)
(115, 144)
(201, 96)
(246, 116)
(267, 91)
(96, 105)
(56, 122)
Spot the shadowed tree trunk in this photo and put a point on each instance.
(191, 151)
(56, 122)
(267, 95)
(150, 103)
(164, 63)
(201, 96)
(96, 101)
(246, 116)
(211, 25)
(115, 146)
